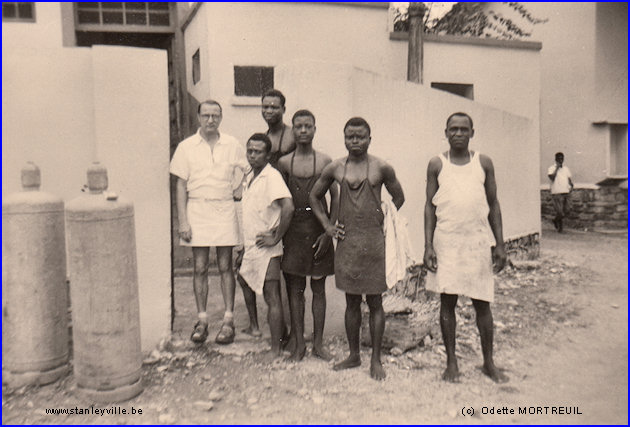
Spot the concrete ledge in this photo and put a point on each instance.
(489, 42)
(576, 186)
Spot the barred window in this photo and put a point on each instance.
(252, 80)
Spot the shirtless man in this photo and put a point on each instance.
(360, 253)
(281, 137)
(308, 250)
(461, 215)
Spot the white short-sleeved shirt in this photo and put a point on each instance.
(209, 173)
(560, 185)
(260, 213)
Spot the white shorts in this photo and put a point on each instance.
(213, 223)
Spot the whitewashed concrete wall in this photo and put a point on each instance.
(272, 34)
(408, 122)
(584, 79)
(65, 108)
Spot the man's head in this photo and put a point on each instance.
(209, 115)
(303, 122)
(459, 130)
(559, 158)
(357, 137)
(258, 149)
(273, 106)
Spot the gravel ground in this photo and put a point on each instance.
(560, 335)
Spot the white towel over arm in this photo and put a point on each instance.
(399, 254)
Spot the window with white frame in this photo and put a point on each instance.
(252, 80)
(16, 11)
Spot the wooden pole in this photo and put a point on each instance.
(416, 51)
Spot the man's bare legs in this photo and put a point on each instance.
(200, 288)
(448, 324)
(377, 327)
(250, 303)
(200, 277)
(228, 288)
(228, 285)
(486, 333)
(353, 331)
(352, 321)
(318, 286)
(271, 292)
(295, 290)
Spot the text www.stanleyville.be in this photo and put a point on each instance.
(522, 410)
(113, 410)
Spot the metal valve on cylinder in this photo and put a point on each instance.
(34, 292)
(104, 293)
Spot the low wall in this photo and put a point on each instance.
(592, 208)
(407, 127)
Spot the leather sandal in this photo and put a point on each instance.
(226, 334)
(200, 333)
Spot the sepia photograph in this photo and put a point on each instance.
(314, 213)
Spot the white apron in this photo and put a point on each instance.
(463, 238)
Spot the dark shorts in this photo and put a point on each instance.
(298, 257)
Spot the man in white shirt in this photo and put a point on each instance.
(561, 187)
(205, 165)
(267, 212)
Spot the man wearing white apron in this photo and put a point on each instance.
(461, 215)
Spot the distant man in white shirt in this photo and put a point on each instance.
(561, 187)
(205, 165)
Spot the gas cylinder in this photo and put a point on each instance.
(34, 292)
(104, 293)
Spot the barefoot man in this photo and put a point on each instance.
(308, 250)
(267, 212)
(360, 253)
(460, 211)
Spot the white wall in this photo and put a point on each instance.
(504, 78)
(408, 122)
(132, 140)
(272, 34)
(45, 32)
(63, 109)
(611, 61)
(584, 75)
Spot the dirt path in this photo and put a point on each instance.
(561, 335)
(587, 365)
